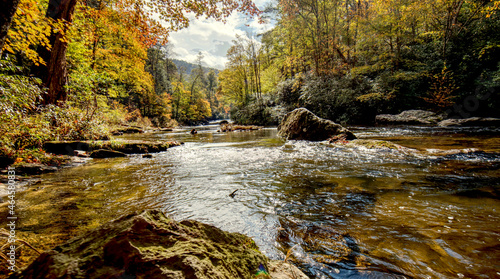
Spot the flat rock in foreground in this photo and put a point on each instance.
(301, 124)
(150, 245)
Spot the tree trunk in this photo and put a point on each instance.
(55, 74)
(7, 11)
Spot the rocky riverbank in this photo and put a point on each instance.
(422, 117)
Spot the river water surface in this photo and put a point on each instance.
(429, 211)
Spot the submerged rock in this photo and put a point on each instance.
(227, 127)
(150, 245)
(374, 144)
(473, 121)
(32, 168)
(283, 270)
(409, 117)
(105, 153)
(301, 124)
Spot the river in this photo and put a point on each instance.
(428, 211)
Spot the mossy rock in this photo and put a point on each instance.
(150, 245)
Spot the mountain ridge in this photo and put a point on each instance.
(189, 67)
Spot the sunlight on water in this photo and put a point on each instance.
(426, 211)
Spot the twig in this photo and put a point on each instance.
(233, 193)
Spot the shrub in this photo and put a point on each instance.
(336, 98)
(264, 111)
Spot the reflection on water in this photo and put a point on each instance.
(427, 212)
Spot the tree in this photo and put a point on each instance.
(30, 30)
(441, 92)
(7, 11)
(161, 68)
(141, 17)
(211, 90)
(198, 74)
(55, 76)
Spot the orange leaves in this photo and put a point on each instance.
(442, 88)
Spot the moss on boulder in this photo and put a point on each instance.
(150, 245)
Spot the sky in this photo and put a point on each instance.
(214, 38)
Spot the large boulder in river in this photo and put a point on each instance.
(473, 121)
(301, 124)
(409, 117)
(150, 245)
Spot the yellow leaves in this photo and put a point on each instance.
(31, 29)
(491, 9)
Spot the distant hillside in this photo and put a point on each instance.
(188, 67)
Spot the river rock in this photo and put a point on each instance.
(127, 130)
(81, 154)
(106, 153)
(409, 117)
(473, 121)
(125, 146)
(374, 144)
(283, 270)
(301, 124)
(150, 245)
(233, 128)
(5, 161)
(32, 168)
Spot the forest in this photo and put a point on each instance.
(75, 69)
(350, 60)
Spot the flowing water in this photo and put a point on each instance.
(427, 211)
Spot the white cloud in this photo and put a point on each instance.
(214, 38)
